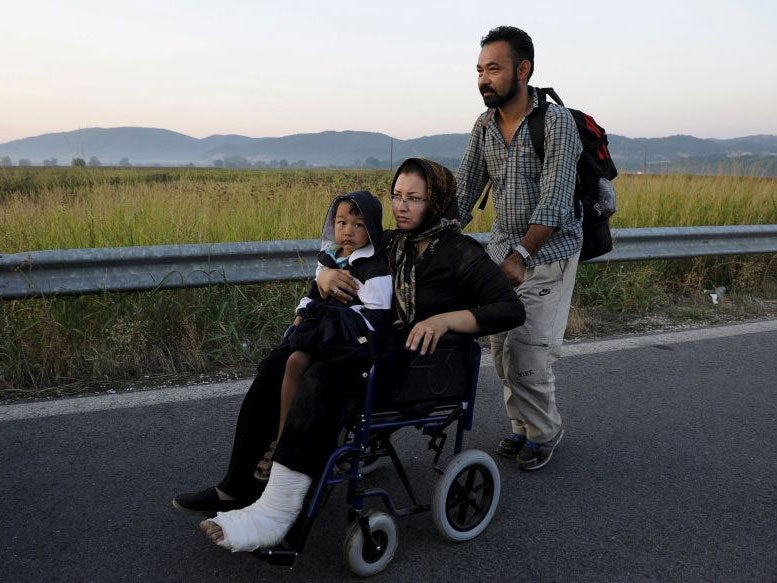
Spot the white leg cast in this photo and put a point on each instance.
(265, 523)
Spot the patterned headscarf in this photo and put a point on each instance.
(441, 215)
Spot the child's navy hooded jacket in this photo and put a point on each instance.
(369, 268)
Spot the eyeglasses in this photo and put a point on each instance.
(397, 199)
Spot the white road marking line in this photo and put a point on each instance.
(667, 338)
(209, 391)
(87, 404)
(658, 339)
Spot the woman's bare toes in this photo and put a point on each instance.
(212, 531)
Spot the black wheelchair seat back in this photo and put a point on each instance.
(405, 379)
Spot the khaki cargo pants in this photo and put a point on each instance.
(524, 356)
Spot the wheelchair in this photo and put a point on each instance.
(433, 393)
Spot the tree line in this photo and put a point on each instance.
(225, 162)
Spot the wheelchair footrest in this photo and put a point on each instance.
(277, 556)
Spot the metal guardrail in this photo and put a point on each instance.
(85, 271)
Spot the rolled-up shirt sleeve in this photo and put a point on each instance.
(472, 175)
(559, 169)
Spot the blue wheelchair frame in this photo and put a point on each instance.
(372, 440)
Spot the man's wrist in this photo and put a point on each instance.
(523, 252)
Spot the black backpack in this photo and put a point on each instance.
(595, 170)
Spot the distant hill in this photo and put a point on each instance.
(109, 145)
(638, 154)
(151, 146)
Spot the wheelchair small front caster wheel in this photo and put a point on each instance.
(364, 557)
(466, 496)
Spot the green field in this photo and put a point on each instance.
(57, 346)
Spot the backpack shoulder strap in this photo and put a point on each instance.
(536, 121)
(487, 188)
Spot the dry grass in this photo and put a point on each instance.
(650, 200)
(118, 208)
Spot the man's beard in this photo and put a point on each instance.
(497, 100)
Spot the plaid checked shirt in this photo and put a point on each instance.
(525, 190)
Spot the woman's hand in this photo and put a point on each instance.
(337, 283)
(426, 333)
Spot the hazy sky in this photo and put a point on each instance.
(406, 68)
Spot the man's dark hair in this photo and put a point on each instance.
(521, 45)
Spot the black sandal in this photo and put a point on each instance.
(264, 466)
(206, 502)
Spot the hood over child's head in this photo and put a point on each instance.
(362, 204)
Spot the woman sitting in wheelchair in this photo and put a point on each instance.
(442, 280)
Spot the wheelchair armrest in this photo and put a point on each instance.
(455, 338)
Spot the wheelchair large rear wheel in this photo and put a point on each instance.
(363, 558)
(466, 496)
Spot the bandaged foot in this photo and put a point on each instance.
(264, 523)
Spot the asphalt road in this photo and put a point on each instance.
(668, 472)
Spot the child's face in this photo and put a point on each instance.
(350, 230)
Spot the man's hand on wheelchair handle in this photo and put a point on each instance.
(336, 283)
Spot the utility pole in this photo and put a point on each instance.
(391, 155)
